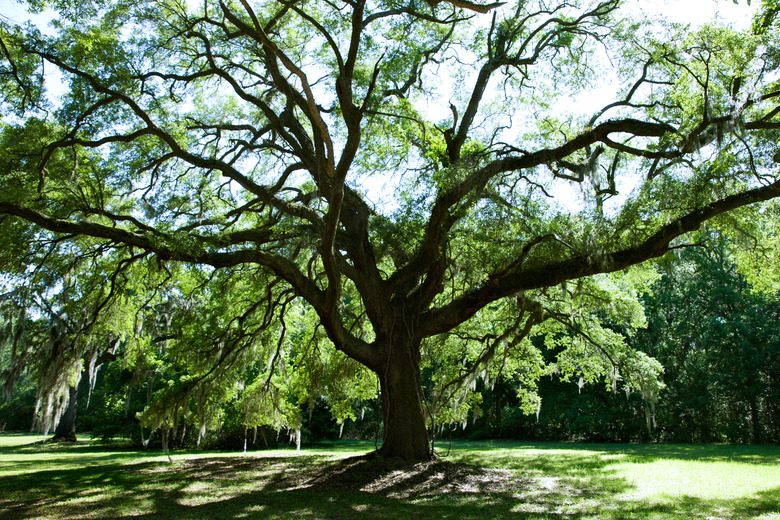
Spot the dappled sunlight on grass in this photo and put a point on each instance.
(703, 480)
(476, 481)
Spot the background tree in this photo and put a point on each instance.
(716, 336)
(60, 326)
(718, 341)
(243, 139)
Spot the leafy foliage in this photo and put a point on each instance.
(201, 198)
(718, 340)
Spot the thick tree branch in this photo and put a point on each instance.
(442, 218)
(500, 54)
(167, 248)
(309, 106)
(448, 316)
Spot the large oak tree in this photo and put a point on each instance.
(404, 168)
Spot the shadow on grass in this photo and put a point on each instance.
(80, 447)
(498, 484)
(274, 487)
(750, 454)
(754, 507)
(764, 455)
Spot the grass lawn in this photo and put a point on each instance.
(482, 480)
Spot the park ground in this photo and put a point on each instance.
(469, 480)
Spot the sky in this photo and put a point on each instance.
(17, 13)
(698, 11)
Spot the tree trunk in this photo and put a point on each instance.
(405, 435)
(755, 420)
(66, 429)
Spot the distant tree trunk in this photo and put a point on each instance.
(500, 407)
(755, 420)
(66, 429)
(405, 434)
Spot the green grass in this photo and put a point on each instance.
(474, 481)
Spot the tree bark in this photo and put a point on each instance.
(405, 434)
(755, 420)
(66, 429)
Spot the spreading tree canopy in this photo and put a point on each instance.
(241, 186)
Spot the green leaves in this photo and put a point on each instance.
(717, 340)
(21, 76)
(272, 190)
